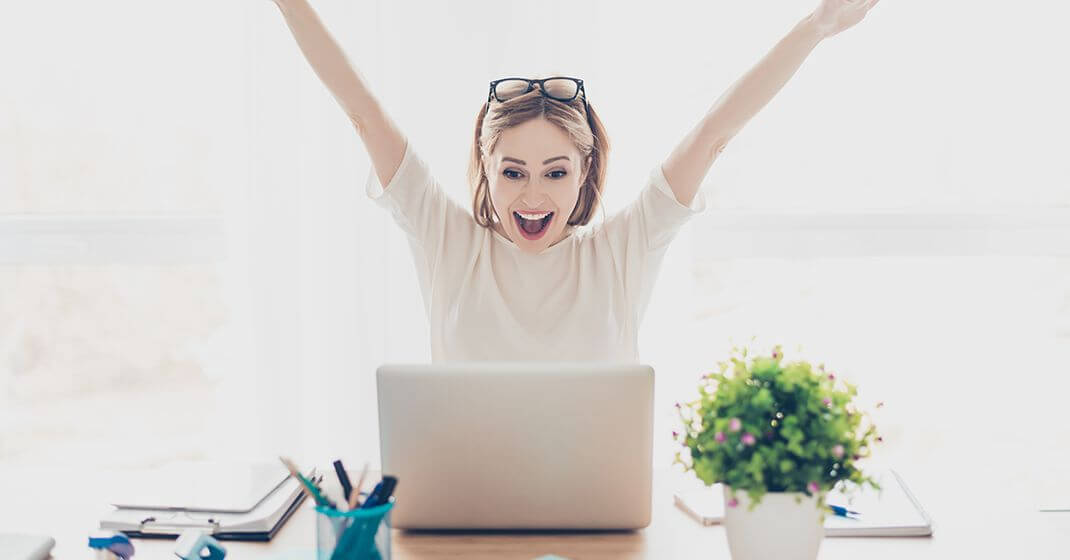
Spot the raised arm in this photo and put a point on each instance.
(689, 162)
(382, 138)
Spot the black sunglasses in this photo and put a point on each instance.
(560, 88)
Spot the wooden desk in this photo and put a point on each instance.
(1004, 524)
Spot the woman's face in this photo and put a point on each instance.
(535, 175)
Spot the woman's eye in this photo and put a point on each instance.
(562, 173)
(508, 171)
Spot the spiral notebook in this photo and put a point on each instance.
(893, 512)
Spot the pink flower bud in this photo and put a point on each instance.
(733, 502)
(812, 487)
(734, 425)
(776, 355)
(831, 376)
(837, 451)
(747, 439)
(826, 401)
(675, 433)
(719, 436)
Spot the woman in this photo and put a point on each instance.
(513, 280)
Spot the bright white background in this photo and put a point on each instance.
(189, 266)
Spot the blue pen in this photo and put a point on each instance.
(842, 511)
(381, 493)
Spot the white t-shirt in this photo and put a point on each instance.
(581, 299)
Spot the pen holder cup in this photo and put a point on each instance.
(360, 534)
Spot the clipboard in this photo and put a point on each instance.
(259, 524)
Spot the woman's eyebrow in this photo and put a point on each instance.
(521, 162)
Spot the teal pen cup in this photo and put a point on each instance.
(361, 534)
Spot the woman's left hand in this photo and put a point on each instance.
(833, 16)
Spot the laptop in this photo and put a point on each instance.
(518, 445)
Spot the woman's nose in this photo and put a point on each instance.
(531, 201)
(536, 190)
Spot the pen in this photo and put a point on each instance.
(382, 492)
(347, 488)
(842, 511)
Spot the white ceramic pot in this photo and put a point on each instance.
(777, 528)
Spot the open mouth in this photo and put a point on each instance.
(533, 229)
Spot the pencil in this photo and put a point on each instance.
(355, 496)
(307, 486)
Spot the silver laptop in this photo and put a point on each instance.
(518, 445)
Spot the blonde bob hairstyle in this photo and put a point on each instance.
(591, 141)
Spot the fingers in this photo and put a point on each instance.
(869, 4)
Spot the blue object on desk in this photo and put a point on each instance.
(843, 512)
(114, 542)
(359, 534)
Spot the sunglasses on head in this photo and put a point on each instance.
(560, 88)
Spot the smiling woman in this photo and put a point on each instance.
(514, 280)
(570, 140)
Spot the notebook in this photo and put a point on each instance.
(893, 512)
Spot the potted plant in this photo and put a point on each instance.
(778, 436)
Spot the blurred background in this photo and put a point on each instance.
(189, 266)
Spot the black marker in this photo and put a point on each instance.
(347, 487)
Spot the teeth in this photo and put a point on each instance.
(528, 216)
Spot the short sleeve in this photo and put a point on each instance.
(639, 234)
(662, 215)
(431, 220)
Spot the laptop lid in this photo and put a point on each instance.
(518, 445)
